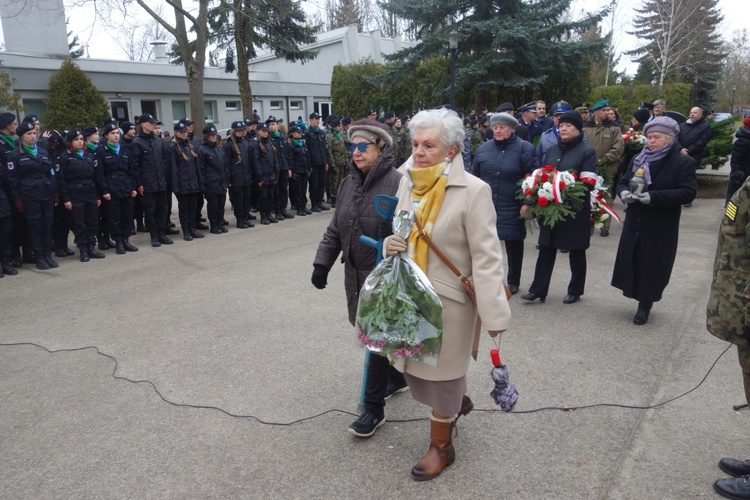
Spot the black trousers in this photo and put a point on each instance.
(514, 250)
(378, 374)
(156, 210)
(198, 208)
(38, 215)
(265, 198)
(19, 235)
(253, 197)
(85, 221)
(104, 225)
(317, 184)
(187, 205)
(215, 207)
(301, 192)
(293, 191)
(240, 201)
(545, 263)
(281, 191)
(60, 225)
(6, 223)
(138, 211)
(120, 217)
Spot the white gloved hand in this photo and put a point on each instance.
(627, 197)
(644, 198)
(395, 245)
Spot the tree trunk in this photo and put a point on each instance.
(243, 73)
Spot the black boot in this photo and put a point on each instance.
(93, 253)
(128, 246)
(83, 253)
(286, 214)
(140, 227)
(200, 225)
(196, 234)
(215, 228)
(48, 257)
(8, 268)
(57, 247)
(279, 216)
(264, 219)
(163, 238)
(641, 316)
(155, 239)
(119, 248)
(41, 263)
(171, 232)
(333, 202)
(271, 218)
(186, 234)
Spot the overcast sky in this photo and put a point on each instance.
(92, 33)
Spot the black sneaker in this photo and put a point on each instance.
(394, 388)
(366, 425)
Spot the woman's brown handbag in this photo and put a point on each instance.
(467, 282)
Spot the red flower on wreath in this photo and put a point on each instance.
(549, 168)
(545, 177)
(543, 202)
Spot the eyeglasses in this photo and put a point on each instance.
(362, 146)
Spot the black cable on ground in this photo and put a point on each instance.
(333, 410)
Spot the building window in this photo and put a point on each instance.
(233, 105)
(295, 104)
(34, 107)
(277, 104)
(208, 108)
(323, 108)
(179, 110)
(119, 110)
(150, 107)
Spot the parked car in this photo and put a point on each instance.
(722, 116)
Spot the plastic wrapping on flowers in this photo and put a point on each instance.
(399, 314)
(553, 195)
(601, 208)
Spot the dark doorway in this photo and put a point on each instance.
(120, 111)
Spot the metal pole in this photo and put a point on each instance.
(453, 79)
(731, 108)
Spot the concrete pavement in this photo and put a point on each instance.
(232, 321)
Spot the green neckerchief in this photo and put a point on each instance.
(92, 147)
(298, 142)
(338, 136)
(9, 139)
(114, 150)
(79, 153)
(314, 129)
(277, 134)
(32, 150)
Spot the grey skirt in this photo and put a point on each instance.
(443, 396)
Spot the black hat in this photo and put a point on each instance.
(88, 130)
(642, 115)
(505, 107)
(346, 120)
(582, 106)
(648, 105)
(180, 126)
(148, 118)
(25, 128)
(482, 118)
(127, 126)
(6, 119)
(371, 111)
(335, 122)
(55, 137)
(389, 114)
(72, 134)
(262, 126)
(294, 128)
(561, 107)
(30, 119)
(574, 118)
(110, 127)
(187, 121)
(529, 106)
(271, 119)
(314, 115)
(239, 125)
(328, 118)
(248, 121)
(209, 129)
(405, 117)
(109, 119)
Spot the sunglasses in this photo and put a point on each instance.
(361, 146)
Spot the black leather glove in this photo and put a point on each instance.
(319, 277)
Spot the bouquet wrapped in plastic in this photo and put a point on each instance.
(399, 314)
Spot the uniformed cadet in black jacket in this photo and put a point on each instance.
(186, 180)
(195, 142)
(117, 181)
(317, 149)
(299, 164)
(19, 229)
(237, 150)
(6, 119)
(33, 190)
(266, 168)
(251, 137)
(91, 137)
(78, 193)
(281, 190)
(214, 167)
(55, 145)
(149, 154)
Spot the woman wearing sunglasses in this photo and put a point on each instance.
(355, 215)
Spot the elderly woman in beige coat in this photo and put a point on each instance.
(456, 210)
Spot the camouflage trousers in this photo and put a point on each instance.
(744, 355)
(334, 179)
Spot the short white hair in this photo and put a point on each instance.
(446, 120)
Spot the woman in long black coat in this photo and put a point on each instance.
(502, 163)
(648, 243)
(573, 154)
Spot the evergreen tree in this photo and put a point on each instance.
(513, 46)
(253, 24)
(72, 100)
(9, 100)
(681, 39)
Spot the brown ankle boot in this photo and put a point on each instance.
(441, 453)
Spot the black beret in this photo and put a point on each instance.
(6, 119)
(89, 130)
(72, 134)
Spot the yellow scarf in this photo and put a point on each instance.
(427, 193)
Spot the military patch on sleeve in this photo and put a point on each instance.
(731, 211)
(10, 165)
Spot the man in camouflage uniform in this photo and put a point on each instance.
(728, 315)
(337, 159)
(402, 143)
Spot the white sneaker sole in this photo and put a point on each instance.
(352, 431)
(403, 389)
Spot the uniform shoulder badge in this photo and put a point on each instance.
(731, 211)
(10, 165)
